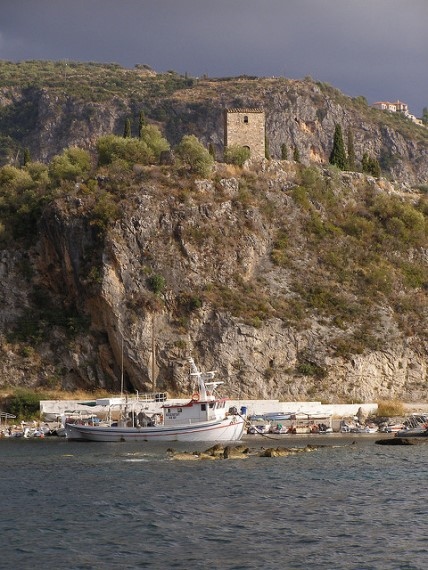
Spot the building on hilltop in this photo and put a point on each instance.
(396, 107)
(245, 127)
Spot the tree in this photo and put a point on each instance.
(127, 129)
(112, 148)
(156, 143)
(284, 152)
(235, 154)
(194, 156)
(141, 123)
(72, 164)
(296, 154)
(267, 149)
(425, 115)
(370, 165)
(338, 154)
(211, 150)
(27, 156)
(351, 150)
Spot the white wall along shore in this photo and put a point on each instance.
(54, 409)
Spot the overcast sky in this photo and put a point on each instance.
(374, 48)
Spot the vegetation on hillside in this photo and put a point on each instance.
(329, 247)
(363, 248)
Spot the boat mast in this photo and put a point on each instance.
(121, 371)
(153, 356)
(200, 378)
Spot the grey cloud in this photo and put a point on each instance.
(376, 48)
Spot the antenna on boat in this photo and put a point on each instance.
(203, 386)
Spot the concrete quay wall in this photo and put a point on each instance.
(272, 406)
(62, 407)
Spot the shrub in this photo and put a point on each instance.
(23, 404)
(311, 369)
(72, 164)
(105, 211)
(39, 172)
(278, 253)
(156, 143)
(415, 275)
(156, 283)
(235, 154)
(194, 156)
(112, 148)
(390, 408)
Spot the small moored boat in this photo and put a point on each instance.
(204, 417)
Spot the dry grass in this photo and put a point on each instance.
(390, 408)
(57, 394)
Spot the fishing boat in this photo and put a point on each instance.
(415, 425)
(204, 417)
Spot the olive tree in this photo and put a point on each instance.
(72, 164)
(194, 156)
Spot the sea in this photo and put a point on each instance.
(350, 504)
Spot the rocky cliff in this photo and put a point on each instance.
(48, 107)
(237, 270)
(294, 281)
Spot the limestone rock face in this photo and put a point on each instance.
(214, 254)
(299, 115)
(215, 268)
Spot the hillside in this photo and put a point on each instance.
(46, 107)
(293, 280)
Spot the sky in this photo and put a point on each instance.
(374, 48)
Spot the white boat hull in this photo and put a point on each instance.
(229, 429)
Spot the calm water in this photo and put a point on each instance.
(122, 506)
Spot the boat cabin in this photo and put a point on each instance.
(194, 411)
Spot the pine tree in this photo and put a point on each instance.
(351, 151)
(284, 152)
(127, 129)
(338, 154)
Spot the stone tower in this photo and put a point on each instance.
(245, 127)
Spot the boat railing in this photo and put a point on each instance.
(148, 397)
(153, 397)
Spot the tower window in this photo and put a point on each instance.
(245, 118)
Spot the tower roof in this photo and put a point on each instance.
(245, 110)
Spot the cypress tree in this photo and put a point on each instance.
(284, 152)
(267, 150)
(141, 123)
(338, 154)
(127, 129)
(27, 156)
(370, 165)
(375, 167)
(351, 151)
(296, 154)
(211, 150)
